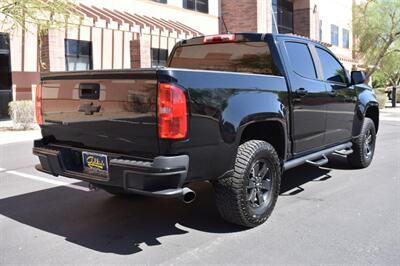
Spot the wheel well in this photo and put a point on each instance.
(373, 113)
(270, 131)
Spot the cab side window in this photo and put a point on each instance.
(333, 71)
(301, 60)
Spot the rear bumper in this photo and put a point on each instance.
(162, 177)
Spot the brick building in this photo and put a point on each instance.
(119, 34)
(326, 21)
(126, 34)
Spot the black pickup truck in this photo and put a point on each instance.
(234, 109)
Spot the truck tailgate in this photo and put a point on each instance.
(102, 110)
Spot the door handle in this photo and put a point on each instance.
(301, 92)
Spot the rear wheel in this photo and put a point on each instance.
(364, 145)
(248, 196)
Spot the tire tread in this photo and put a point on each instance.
(229, 190)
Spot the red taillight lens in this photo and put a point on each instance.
(220, 38)
(38, 104)
(172, 112)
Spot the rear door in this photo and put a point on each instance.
(308, 96)
(106, 111)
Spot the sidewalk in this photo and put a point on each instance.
(390, 113)
(8, 135)
(389, 109)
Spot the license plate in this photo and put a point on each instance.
(95, 163)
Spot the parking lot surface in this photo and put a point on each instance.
(330, 215)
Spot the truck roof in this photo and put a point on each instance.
(252, 36)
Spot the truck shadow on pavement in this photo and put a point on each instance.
(101, 222)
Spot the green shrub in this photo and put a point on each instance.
(22, 114)
(382, 99)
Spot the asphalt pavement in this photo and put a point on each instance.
(331, 215)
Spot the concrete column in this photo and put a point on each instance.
(14, 92)
(33, 88)
(262, 16)
(145, 51)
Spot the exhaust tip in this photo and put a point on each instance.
(188, 195)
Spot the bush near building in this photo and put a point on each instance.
(22, 114)
(381, 96)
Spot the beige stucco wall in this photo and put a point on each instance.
(338, 12)
(205, 23)
(23, 48)
(264, 16)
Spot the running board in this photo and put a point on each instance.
(344, 152)
(318, 163)
(316, 155)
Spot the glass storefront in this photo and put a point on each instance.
(5, 75)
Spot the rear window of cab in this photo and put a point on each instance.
(245, 57)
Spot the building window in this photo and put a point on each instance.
(78, 55)
(283, 15)
(158, 57)
(5, 66)
(346, 39)
(160, 1)
(334, 35)
(196, 5)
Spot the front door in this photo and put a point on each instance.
(342, 99)
(5, 75)
(308, 95)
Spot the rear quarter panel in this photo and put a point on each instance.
(221, 105)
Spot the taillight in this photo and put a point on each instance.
(172, 112)
(220, 38)
(38, 104)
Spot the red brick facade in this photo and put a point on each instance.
(301, 21)
(135, 54)
(239, 15)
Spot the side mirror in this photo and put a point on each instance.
(357, 77)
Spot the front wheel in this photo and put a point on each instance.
(248, 196)
(364, 145)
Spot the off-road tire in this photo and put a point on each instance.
(231, 192)
(359, 158)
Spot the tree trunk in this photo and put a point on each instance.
(379, 58)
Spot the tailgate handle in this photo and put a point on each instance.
(89, 91)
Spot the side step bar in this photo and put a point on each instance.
(344, 152)
(320, 162)
(316, 155)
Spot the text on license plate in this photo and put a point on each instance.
(95, 162)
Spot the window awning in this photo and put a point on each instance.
(132, 19)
